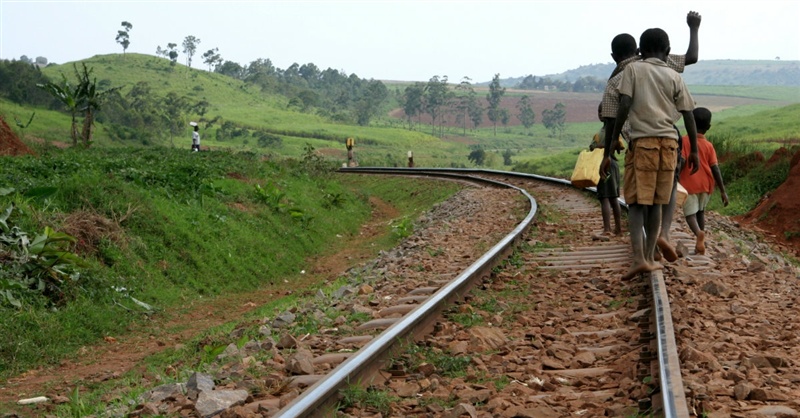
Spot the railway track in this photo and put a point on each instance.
(507, 303)
(612, 357)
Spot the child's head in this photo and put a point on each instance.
(654, 42)
(623, 46)
(196, 128)
(702, 118)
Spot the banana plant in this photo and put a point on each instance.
(69, 96)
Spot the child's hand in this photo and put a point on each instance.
(604, 167)
(693, 163)
(725, 199)
(693, 20)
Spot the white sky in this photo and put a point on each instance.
(399, 40)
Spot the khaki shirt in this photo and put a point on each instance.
(657, 92)
(610, 102)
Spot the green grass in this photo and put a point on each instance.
(195, 228)
(789, 94)
(357, 396)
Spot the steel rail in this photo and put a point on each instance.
(360, 367)
(673, 397)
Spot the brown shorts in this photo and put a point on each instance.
(650, 170)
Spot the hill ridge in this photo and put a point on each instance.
(722, 72)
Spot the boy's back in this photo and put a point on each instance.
(657, 93)
(703, 180)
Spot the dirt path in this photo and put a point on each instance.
(114, 357)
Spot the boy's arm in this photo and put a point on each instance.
(692, 53)
(693, 162)
(622, 116)
(718, 179)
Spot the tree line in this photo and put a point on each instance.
(438, 99)
(584, 84)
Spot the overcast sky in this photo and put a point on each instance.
(398, 40)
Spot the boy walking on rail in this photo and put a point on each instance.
(624, 51)
(650, 94)
(700, 185)
(608, 187)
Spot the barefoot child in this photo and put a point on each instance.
(700, 185)
(608, 188)
(650, 94)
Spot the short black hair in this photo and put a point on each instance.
(654, 40)
(623, 45)
(702, 118)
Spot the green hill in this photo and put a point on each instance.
(243, 104)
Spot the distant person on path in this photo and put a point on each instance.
(624, 52)
(650, 94)
(349, 143)
(700, 185)
(195, 137)
(410, 160)
(608, 188)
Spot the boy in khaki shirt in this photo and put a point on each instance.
(650, 94)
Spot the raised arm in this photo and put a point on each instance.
(692, 53)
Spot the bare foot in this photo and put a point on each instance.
(641, 267)
(617, 232)
(599, 237)
(700, 245)
(667, 250)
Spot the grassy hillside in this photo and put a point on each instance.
(164, 227)
(242, 103)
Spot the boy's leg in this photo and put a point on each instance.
(701, 219)
(699, 246)
(636, 215)
(651, 229)
(605, 208)
(616, 210)
(666, 223)
(690, 210)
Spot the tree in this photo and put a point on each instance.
(475, 110)
(83, 97)
(464, 101)
(413, 101)
(505, 116)
(68, 95)
(169, 52)
(123, 36)
(526, 114)
(190, 44)
(507, 154)
(553, 119)
(212, 59)
(231, 69)
(477, 156)
(495, 95)
(370, 101)
(91, 100)
(435, 97)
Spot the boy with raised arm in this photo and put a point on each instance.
(650, 94)
(624, 51)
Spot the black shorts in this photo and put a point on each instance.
(608, 188)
